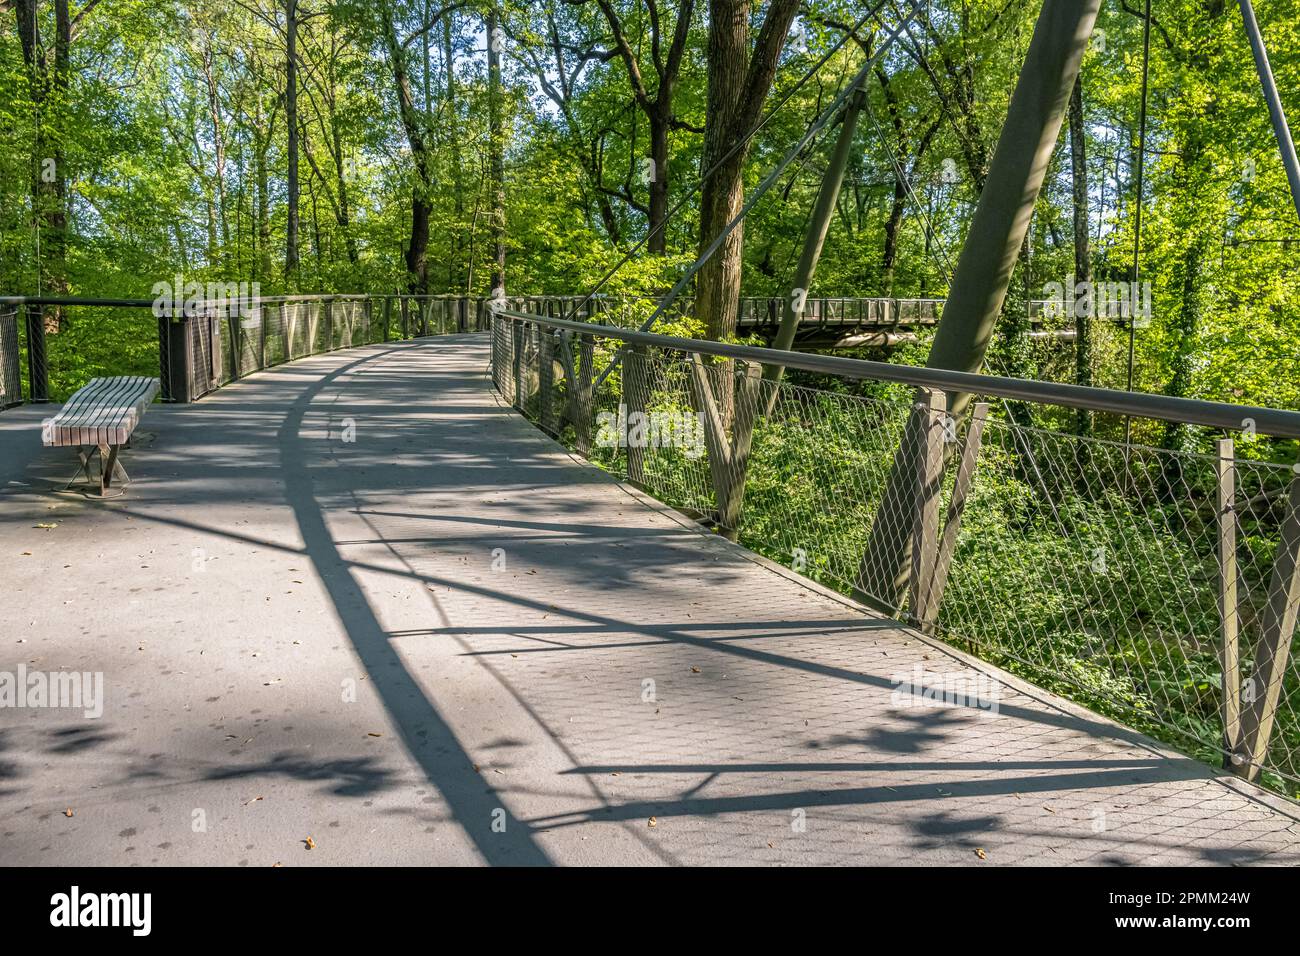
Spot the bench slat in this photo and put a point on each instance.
(105, 411)
(117, 411)
(103, 406)
(100, 406)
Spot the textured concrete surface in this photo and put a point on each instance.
(356, 599)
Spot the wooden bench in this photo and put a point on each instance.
(100, 417)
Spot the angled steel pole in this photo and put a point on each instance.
(1280, 129)
(818, 225)
(984, 267)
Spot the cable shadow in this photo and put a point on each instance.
(446, 765)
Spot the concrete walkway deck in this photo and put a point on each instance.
(306, 630)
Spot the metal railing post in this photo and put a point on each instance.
(236, 346)
(584, 366)
(546, 378)
(1229, 617)
(517, 364)
(932, 406)
(1277, 629)
(635, 370)
(38, 372)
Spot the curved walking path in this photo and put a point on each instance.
(359, 600)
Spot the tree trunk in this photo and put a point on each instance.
(412, 123)
(717, 298)
(291, 117)
(453, 122)
(263, 213)
(659, 121)
(889, 256)
(738, 83)
(496, 148)
(49, 177)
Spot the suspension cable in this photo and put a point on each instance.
(712, 170)
(1137, 215)
(811, 133)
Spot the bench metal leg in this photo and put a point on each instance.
(83, 453)
(110, 468)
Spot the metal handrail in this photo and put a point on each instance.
(269, 299)
(1278, 423)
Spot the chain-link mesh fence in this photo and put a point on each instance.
(1157, 586)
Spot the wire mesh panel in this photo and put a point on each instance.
(1095, 569)
(11, 380)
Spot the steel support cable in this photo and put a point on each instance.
(707, 174)
(946, 264)
(1137, 214)
(811, 133)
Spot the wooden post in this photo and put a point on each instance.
(933, 409)
(962, 482)
(1277, 627)
(1229, 618)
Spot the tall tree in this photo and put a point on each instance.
(48, 85)
(656, 104)
(740, 76)
(413, 123)
(496, 150)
